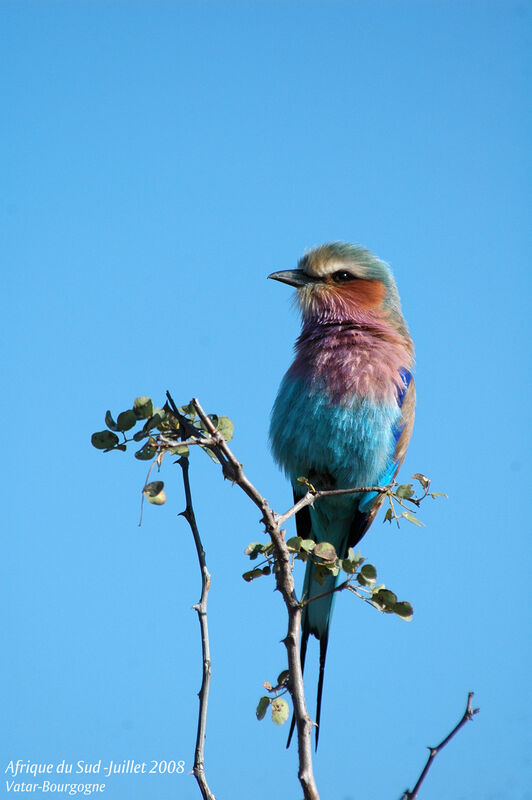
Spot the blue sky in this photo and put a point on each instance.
(159, 160)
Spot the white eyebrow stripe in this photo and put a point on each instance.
(321, 270)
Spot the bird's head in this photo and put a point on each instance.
(342, 281)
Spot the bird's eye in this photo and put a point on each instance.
(342, 276)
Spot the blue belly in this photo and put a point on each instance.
(354, 444)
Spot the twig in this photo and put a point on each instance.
(232, 469)
(339, 588)
(145, 484)
(310, 498)
(469, 713)
(201, 608)
(165, 440)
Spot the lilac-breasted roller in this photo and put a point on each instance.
(345, 409)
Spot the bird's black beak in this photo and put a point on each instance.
(293, 277)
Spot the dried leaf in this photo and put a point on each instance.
(325, 551)
(424, 481)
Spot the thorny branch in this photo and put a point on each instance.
(201, 608)
(469, 713)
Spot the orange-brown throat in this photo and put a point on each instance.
(362, 294)
(347, 299)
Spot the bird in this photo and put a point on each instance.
(344, 412)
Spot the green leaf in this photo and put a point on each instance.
(388, 517)
(126, 420)
(262, 707)
(321, 573)
(226, 428)
(280, 711)
(147, 452)
(385, 599)
(349, 566)
(307, 545)
(326, 551)
(352, 562)
(155, 420)
(179, 450)
(424, 481)
(253, 549)
(369, 573)
(357, 557)
(140, 435)
(404, 610)
(188, 411)
(109, 421)
(266, 570)
(202, 425)
(210, 454)
(294, 544)
(438, 494)
(405, 491)
(154, 493)
(143, 407)
(171, 422)
(413, 519)
(104, 440)
(252, 574)
(283, 677)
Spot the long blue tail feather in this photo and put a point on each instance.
(316, 616)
